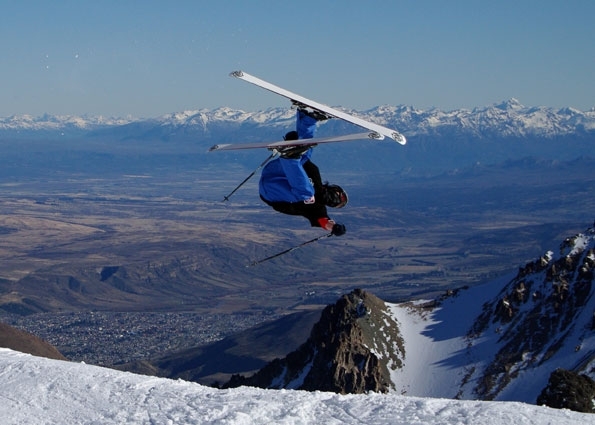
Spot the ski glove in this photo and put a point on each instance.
(338, 229)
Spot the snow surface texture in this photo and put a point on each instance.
(436, 344)
(35, 390)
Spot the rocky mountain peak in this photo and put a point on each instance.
(541, 312)
(350, 350)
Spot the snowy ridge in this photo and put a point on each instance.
(37, 391)
(204, 116)
(505, 119)
(502, 340)
(48, 122)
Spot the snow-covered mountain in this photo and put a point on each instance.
(506, 119)
(58, 123)
(498, 341)
(36, 390)
(438, 141)
(502, 340)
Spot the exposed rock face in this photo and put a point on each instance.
(540, 312)
(569, 390)
(348, 351)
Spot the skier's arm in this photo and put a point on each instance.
(326, 223)
(331, 226)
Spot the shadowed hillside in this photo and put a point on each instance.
(19, 340)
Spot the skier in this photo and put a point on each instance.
(291, 184)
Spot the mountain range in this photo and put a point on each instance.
(438, 141)
(506, 119)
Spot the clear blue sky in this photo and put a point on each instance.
(147, 58)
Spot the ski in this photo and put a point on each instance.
(296, 98)
(300, 142)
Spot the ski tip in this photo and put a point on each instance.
(396, 136)
(237, 74)
(217, 147)
(399, 138)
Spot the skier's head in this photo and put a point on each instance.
(292, 135)
(334, 196)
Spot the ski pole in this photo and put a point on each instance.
(226, 198)
(254, 263)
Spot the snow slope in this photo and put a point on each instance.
(442, 360)
(38, 391)
(464, 348)
(435, 351)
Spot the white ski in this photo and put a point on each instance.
(300, 142)
(377, 128)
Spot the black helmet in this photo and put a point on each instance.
(334, 196)
(292, 135)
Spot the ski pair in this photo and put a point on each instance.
(375, 131)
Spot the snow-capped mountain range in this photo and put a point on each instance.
(506, 119)
(49, 122)
(438, 141)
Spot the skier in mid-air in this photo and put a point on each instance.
(291, 184)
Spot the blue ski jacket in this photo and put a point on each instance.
(305, 125)
(285, 180)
